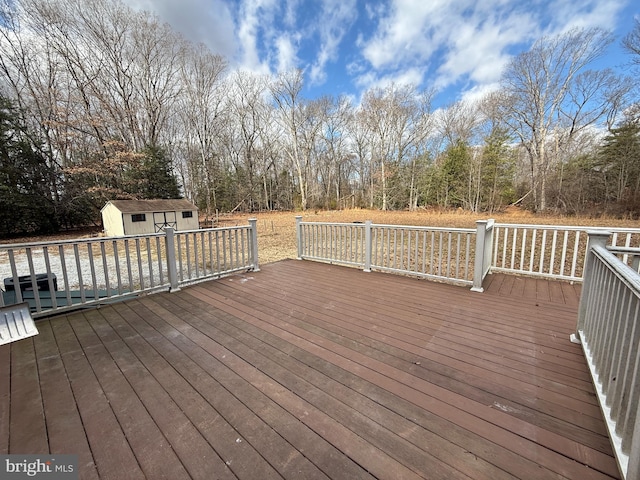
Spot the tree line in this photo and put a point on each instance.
(98, 101)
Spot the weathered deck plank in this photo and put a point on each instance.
(307, 370)
(64, 424)
(453, 374)
(105, 436)
(27, 425)
(601, 441)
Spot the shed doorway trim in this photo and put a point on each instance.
(162, 220)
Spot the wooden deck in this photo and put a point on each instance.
(307, 370)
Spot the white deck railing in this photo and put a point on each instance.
(57, 276)
(429, 252)
(556, 252)
(609, 331)
(449, 254)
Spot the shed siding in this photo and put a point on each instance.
(187, 223)
(118, 223)
(138, 228)
(112, 221)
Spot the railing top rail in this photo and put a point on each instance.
(426, 228)
(618, 249)
(490, 223)
(627, 274)
(568, 227)
(383, 225)
(336, 224)
(73, 241)
(217, 229)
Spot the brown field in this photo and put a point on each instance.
(277, 235)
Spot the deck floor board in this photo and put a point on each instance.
(64, 424)
(104, 433)
(473, 382)
(309, 370)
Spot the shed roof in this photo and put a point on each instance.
(137, 206)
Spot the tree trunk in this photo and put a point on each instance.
(384, 186)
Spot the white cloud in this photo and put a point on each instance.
(409, 76)
(254, 28)
(286, 52)
(478, 92)
(464, 41)
(408, 33)
(566, 14)
(467, 42)
(201, 21)
(450, 44)
(290, 13)
(336, 18)
(478, 50)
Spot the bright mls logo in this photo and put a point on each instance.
(50, 467)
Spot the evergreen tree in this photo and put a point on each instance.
(455, 173)
(155, 175)
(620, 159)
(26, 178)
(498, 171)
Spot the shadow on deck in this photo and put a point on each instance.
(308, 370)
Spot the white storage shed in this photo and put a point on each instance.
(137, 217)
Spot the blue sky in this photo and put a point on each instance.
(458, 47)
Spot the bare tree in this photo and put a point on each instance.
(336, 115)
(459, 124)
(398, 118)
(156, 78)
(376, 115)
(550, 96)
(36, 82)
(360, 141)
(202, 111)
(247, 119)
(497, 158)
(632, 42)
(459, 121)
(286, 91)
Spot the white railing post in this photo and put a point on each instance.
(253, 222)
(483, 244)
(172, 268)
(594, 238)
(488, 246)
(367, 246)
(299, 235)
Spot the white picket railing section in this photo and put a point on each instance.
(609, 331)
(211, 253)
(429, 252)
(57, 276)
(549, 251)
(342, 243)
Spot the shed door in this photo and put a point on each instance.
(162, 220)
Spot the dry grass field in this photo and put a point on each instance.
(277, 234)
